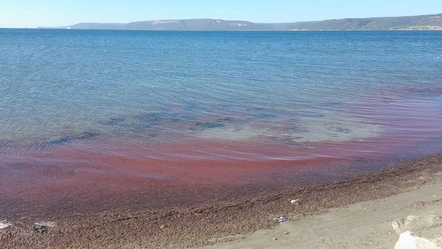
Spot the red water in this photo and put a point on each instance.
(105, 174)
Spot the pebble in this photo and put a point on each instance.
(295, 201)
(286, 233)
(281, 219)
(163, 226)
(275, 238)
(45, 224)
(40, 229)
(4, 224)
(43, 227)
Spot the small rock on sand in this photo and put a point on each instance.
(46, 223)
(40, 229)
(43, 227)
(408, 240)
(295, 201)
(4, 224)
(281, 219)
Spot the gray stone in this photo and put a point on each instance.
(40, 229)
(408, 240)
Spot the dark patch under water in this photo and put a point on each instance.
(151, 136)
(264, 115)
(69, 139)
(113, 121)
(148, 120)
(200, 126)
(155, 120)
(60, 141)
(419, 92)
(340, 129)
(331, 104)
(255, 109)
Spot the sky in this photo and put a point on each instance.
(51, 13)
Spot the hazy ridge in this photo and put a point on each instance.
(422, 22)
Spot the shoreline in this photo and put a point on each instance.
(203, 225)
(369, 224)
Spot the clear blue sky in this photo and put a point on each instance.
(32, 13)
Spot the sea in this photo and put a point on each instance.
(96, 116)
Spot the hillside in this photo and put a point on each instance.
(381, 23)
(424, 22)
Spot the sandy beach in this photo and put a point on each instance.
(367, 224)
(356, 213)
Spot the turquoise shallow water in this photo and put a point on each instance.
(63, 86)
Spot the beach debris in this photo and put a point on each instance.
(408, 240)
(4, 224)
(286, 233)
(46, 223)
(416, 223)
(281, 219)
(40, 229)
(163, 226)
(294, 201)
(43, 227)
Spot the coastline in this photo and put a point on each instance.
(211, 222)
(211, 145)
(369, 224)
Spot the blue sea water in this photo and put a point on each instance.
(60, 86)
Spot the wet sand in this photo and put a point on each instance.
(201, 223)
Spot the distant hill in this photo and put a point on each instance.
(424, 22)
(189, 24)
